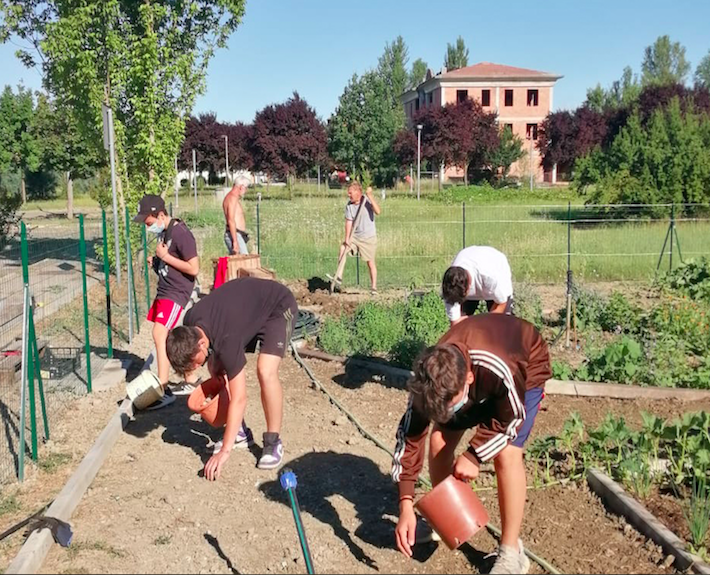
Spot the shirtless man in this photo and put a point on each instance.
(235, 235)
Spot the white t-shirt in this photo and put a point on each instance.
(491, 278)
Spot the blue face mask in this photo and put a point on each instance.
(459, 405)
(156, 228)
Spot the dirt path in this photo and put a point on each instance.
(149, 511)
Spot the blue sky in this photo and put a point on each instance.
(314, 46)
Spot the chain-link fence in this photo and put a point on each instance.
(416, 240)
(77, 322)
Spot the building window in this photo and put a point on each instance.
(461, 96)
(509, 97)
(531, 131)
(533, 97)
(416, 105)
(485, 98)
(508, 127)
(431, 98)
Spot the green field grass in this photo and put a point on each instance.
(416, 240)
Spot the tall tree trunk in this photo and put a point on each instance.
(465, 173)
(70, 196)
(23, 189)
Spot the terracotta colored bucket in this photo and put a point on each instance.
(214, 410)
(145, 389)
(453, 511)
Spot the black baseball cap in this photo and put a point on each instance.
(150, 205)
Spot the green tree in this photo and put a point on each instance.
(702, 72)
(146, 60)
(418, 73)
(62, 147)
(393, 68)
(509, 151)
(665, 160)
(622, 93)
(665, 63)
(19, 147)
(456, 55)
(361, 131)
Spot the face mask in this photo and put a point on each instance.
(156, 228)
(459, 405)
(207, 355)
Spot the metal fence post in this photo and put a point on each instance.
(463, 209)
(258, 224)
(145, 267)
(28, 351)
(129, 261)
(38, 370)
(670, 258)
(25, 347)
(109, 341)
(82, 251)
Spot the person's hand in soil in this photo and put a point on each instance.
(405, 532)
(213, 469)
(161, 250)
(466, 467)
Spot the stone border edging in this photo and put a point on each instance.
(552, 387)
(616, 498)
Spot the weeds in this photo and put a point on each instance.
(9, 504)
(52, 461)
(81, 546)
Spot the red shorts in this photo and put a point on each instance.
(165, 312)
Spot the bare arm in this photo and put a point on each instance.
(498, 307)
(375, 205)
(190, 267)
(232, 226)
(235, 415)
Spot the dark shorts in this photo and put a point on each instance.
(275, 335)
(482, 413)
(470, 306)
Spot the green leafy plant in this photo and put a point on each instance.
(635, 470)
(377, 327)
(541, 450)
(620, 361)
(691, 278)
(528, 305)
(562, 370)
(697, 510)
(619, 315)
(336, 336)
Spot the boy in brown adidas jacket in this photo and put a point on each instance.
(489, 372)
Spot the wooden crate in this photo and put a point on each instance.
(261, 273)
(239, 262)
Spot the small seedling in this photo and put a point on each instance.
(163, 540)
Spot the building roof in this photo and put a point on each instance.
(488, 70)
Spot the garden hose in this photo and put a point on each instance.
(289, 483)
(424, 481)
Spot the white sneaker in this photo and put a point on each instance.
(185, 387)
(511, 560)
(244, 440)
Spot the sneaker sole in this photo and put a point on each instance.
(269, 466)
(237, 445)
(163, 403)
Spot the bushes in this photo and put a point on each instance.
(400, 331)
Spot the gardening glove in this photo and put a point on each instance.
(61, 531)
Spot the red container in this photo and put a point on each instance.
(454, 511)
(213, 411)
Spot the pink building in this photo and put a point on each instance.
(521, 98)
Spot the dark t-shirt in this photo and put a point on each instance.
(173, 284)
(234, 314)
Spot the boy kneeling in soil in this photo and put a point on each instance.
(487, 371)
(221, 327)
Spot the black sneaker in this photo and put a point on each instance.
(164, 401)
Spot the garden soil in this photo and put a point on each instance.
(150, 511)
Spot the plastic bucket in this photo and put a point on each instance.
(211, 401)
(454, 511)
(144, 389)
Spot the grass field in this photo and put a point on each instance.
(416, 240)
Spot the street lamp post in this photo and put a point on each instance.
(419, 160)
(226, 159)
